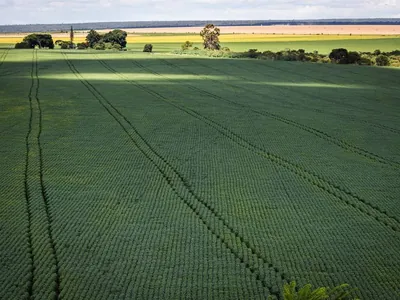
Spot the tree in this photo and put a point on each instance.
(71, 38)
(38, 39)
(382, 60)
(93, 38)
(339, 56)
(340, 292)
(210, 35)
(116, 36)
(22, 45)
(148, 48)
(354, 58)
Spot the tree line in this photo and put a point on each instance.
(115, 39)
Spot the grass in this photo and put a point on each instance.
(132, 175)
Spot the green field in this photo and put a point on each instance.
(133, 176)
(322, 46)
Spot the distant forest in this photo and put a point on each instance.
(151, 24)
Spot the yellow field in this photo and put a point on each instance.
(227, 38)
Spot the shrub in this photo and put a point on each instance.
(382, 60)
(117, 47)
(377, 52)
(108, 45)
(148, 48)
(99, 46)
(82, 46)
(252, 53)
(22, 45)
(353, 58)
(340, 292)
(366, 60)
(196, 48)
(226, 49)
(269, 55)
(186, 45)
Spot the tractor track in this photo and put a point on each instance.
(33, 147)
(376, 125)
(321, 134)
(195, 203)
(337, 191)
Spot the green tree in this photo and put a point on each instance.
(339, 56)
(210, 35)
(148, 48)
(354, 58)
(71, 37)
(382, 60)
(93, 38)
(116, 36)
(340, 292)
(39, 39)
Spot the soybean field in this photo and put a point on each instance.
(134, 176)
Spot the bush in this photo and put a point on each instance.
(382, 60)
(226, 49)
(22, 45)
(377, 52)
(366, 60)
(252, 53)
(340, 292)
(186, 45)
(196, 48)
(268, 55)
(99, 46)
(148, 48)
(353, 58)
(82, 46)
(117, 47)
(108, 45)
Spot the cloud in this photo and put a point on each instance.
(59, 11)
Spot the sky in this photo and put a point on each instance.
(76, 11)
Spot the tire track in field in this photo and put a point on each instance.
(340, 193)
(3, 56)
(43, 187)
(242, 250)
(27, 192)
(319, 133)
(40, 236)
(377, 125)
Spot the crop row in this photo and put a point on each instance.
(309, 107)
(341, 193)
(173, 117)
(326, 156)
(319, 133)
(213, 220)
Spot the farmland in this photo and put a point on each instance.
(134, 176)
(321, 42)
